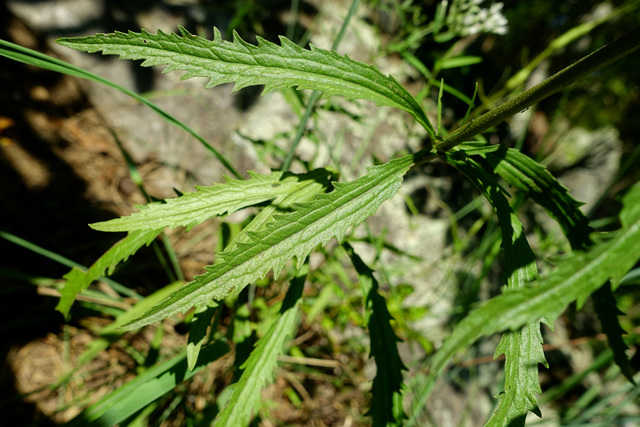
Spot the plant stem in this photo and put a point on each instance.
(602, 57)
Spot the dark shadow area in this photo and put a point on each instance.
(44, 201)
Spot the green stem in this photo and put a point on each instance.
(562, 41)
(590, 63)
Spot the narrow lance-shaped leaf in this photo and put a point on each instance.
(288, 236)
(576, 277)
(607, 310)
(195, 207)
(386, 403)
(303, 191)
(532, 178)
(259, 367)
(523, 347)
(274, 66)
(79, 280)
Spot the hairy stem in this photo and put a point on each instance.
(590, 63)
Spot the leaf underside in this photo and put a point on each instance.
(288, 236)
(274, 66)
(78, 280)
(207, 202)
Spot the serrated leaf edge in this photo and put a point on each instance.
(291, 235)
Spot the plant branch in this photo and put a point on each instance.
(602, 57)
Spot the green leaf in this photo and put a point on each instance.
(259, 367)
(630, 213)
(79, 280)
(575, 277)
(288, 236)
(302, 192)
(144, 389)
(459, 61)
(234, 194)
(198, 331)
(274, 66)
(386, 404)
(607, 310)
(533, 179)
(523, 347)
(523, 352)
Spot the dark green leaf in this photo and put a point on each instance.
(386, 403)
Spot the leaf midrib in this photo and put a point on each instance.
(557, 289)
(230, 268)
(251, 60)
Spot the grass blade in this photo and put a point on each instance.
(31, 57)
(144, 389)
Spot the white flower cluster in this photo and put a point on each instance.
(467, 17)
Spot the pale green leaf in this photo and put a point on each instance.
(259, 367)
(303, 191)
(290, 235)
(79, 280)
(274, 66)
(198, 331)
(459, 61)
(195, 207)
(386, 403)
